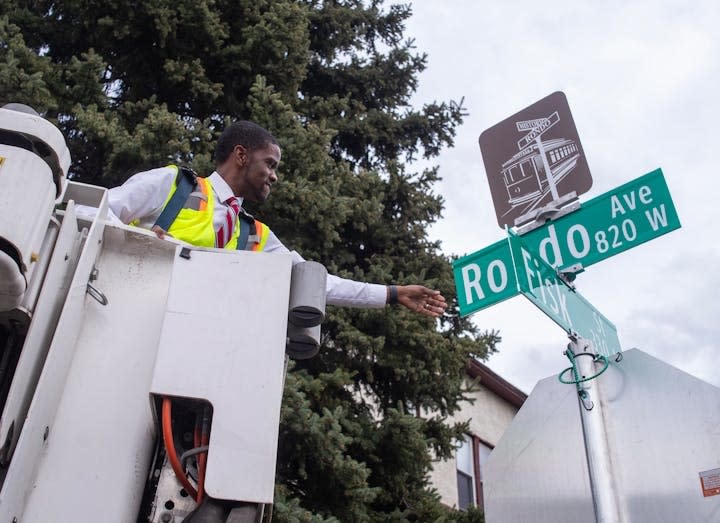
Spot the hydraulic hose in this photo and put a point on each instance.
(170, 447)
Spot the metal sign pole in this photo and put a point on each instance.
(596, 444)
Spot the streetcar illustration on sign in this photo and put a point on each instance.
(534, 159)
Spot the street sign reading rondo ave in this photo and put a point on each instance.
(609, 224)
(533, 158)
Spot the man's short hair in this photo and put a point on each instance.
(246, 133)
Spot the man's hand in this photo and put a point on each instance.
(160, 232)
(421, 299)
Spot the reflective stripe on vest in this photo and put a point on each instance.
(263, 232)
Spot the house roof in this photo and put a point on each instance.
(496, 384)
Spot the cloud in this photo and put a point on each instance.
(684, 331)
(641, 81)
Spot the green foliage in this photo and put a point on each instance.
(24, 76)
(137, 84)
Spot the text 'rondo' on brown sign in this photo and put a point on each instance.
(533, 158)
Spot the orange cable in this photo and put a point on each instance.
(202, 462)
(196, 433)
(202, 459)
(170, 447)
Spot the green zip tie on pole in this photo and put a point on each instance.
(578, 379)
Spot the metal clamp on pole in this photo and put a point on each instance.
(568, 274)
(552, 211)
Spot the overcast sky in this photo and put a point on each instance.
(642, 81)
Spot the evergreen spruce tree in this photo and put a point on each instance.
(135, 84)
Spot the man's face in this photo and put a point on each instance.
(260, 172)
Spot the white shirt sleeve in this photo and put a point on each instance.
(340, 291)
(142, 196)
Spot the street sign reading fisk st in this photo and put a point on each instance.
(539, 282)
(609, 224)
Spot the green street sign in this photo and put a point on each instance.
(609, 224)
(485, 277)
(538, 281)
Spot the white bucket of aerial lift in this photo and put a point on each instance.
(33, 163)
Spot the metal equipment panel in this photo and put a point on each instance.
(34, 437)
(98, 448)
(223, 340)
(50, 301)
(663, 430)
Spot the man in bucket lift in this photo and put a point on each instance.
(208, 212)
(211, 215)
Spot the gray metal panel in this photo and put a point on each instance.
(223, 340)
(41, 414)
(56, 282)
(94, 463)
(540, 457)
(663, 429)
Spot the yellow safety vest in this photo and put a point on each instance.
(194, 222)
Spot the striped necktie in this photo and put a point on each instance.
(224, 233)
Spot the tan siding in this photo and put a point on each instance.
(490, 415)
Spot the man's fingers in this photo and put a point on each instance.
(432, 310)
(159, 231)
(423, 300)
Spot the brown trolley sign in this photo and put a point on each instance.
(534, 161)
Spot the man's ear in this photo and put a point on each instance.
(241, 155)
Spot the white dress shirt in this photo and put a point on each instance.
(142, 197)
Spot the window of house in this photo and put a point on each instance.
(465, 473)
(471, 457)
